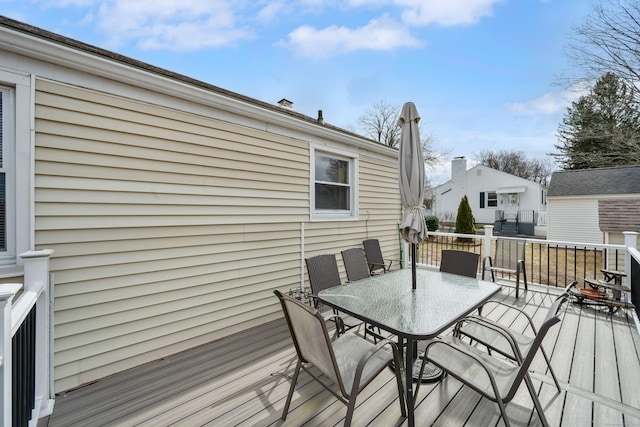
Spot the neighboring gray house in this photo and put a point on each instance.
(491, 193)
(616, 216)
(576, 198)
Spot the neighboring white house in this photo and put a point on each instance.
(574, 196)
(173, 207)
(488, 190)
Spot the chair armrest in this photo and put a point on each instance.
(464, 350)
(368, 355)
(485, 260)
(519, 310)
(376, 265)
(339, 323)
(500, 329)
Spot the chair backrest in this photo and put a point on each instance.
(464, 263)
(508, 252)
(553, 317)
(373, 251)
(323, 272)
(355, 264)
(310, 336)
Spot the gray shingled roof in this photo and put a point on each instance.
(619, 214)
(594, 182)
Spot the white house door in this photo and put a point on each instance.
(511, 205)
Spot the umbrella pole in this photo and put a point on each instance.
(413, 266)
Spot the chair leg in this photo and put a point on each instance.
(398, 374)
(503, 411)
(536, 401)
(351, 406)
(553, 374)
(285, 411)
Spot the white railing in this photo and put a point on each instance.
(542, 219)
(633, 273)
(547, 262)
(27, 304)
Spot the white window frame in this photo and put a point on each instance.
(495, 200)
(328, 214)
(18, 165)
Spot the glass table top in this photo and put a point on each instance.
(388, 301)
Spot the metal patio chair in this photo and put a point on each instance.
(464, 263)
(508, 257)
(506, 341)
(374, 256)
(496, 379)
(355, 264)
(324, 274)
(350, 362)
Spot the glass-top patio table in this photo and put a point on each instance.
(387, 301)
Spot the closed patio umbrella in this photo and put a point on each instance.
(413, 227)
(411, 168)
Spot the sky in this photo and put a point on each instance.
(483, 74)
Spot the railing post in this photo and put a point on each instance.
(630, 241)
(7, 292)
(37, 279)
(488, 239)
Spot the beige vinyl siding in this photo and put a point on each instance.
(573, 220)
(171, 229)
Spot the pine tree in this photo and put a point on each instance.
(465, 223)
(601, 128)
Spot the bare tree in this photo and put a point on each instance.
(516, 163)
(609, 41)
(380, 123)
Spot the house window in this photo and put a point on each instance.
(5, 137)
(492, 199)
(16, 118)
(334, 188)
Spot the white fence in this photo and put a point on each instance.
(26, 392)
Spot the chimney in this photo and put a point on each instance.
(458, 177)
(458, 169)
(320, 118)
(285, 103)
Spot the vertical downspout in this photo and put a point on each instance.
(302, 258)
(401, 245)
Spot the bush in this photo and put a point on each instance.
(465, 223)
(432, 222)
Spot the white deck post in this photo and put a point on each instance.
(630, 241)
(7, 292)
(37, 279)
(488, 239)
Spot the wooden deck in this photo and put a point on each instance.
(243, 380)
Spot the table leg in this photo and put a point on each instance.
(408, 374)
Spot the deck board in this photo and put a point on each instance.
(244, 379)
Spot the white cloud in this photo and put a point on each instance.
(170, 24)
(551, 102)
(194, 24)
(271, 10)
(445, 13)
(378, 34)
